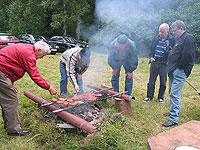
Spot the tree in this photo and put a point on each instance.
(66, 14)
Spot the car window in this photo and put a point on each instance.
(8, 37)
(54, 39)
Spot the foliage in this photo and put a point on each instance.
(189, 14)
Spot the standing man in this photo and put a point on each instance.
(73, 63)
(181, 62)
(160, 47)
(15, 60)
(123, 52)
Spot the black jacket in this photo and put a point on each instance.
(154, 44)
(183, 54)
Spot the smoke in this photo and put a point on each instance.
(138, 19)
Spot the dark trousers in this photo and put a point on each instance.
(156, 69)
(9, 103)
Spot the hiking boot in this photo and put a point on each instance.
(169, 123)
(147, 99)
(18, 133)
(160, 100)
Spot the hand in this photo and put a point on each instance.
(79, 76)
(52, 91)
(114, 73)
(77, 88)
(16, 90)
(129, 75)
(152, 59)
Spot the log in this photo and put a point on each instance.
(123, 106)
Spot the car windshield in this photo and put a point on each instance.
(70, 39)
(7, 37)
(39, 38)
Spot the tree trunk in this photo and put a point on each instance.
(78, 30)
(64, 23)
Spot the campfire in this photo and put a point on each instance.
(80, 110)
(82, 105)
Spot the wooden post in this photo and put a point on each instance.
(123, 106)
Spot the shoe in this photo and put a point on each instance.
(169, 123)
(160, 100)
(147, 99)
(166, 114)
(19, 133)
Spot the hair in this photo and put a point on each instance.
(179, 24)
(165, 26)
(85, 53)
(43, 46)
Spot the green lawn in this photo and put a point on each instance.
(130, 134)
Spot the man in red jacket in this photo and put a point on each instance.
(15, 60)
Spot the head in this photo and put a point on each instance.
(122, 39)
(41, 49)
(163, 30)
(178, 28)
(85, 55)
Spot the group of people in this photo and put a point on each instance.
(168, 55)
(175, 57)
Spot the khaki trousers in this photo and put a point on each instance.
(9, 103)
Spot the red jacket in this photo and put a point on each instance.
(17, 59)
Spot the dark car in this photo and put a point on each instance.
(74, 41)
(32, 39)
(62, 42)
(7, 39)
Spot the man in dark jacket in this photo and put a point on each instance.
(181, 62)
(160, 47)
(123, 52)
(15, 60)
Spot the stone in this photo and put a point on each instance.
(187, 134)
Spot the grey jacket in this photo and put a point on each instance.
(72, 63)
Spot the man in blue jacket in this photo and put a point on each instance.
(181, 61)
(123, 52)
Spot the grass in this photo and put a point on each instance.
(130, 134)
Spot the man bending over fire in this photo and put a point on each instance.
(15, 60)
(123, 52)
(73, 63)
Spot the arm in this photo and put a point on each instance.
(188, 53)
(32, 70)
(112, 61)
(132, 57)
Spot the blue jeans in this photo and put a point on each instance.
(128, 82)
(176, 81)
(64, 81)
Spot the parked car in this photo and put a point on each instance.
(7, 39)
(74, 41)
(62, 42)
(32, 39)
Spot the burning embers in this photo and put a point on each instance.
(82, 105)
(80, 110)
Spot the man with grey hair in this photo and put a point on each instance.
(181, 62)
(15, 60)
(160, 47)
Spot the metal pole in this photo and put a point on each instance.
(193, 87)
